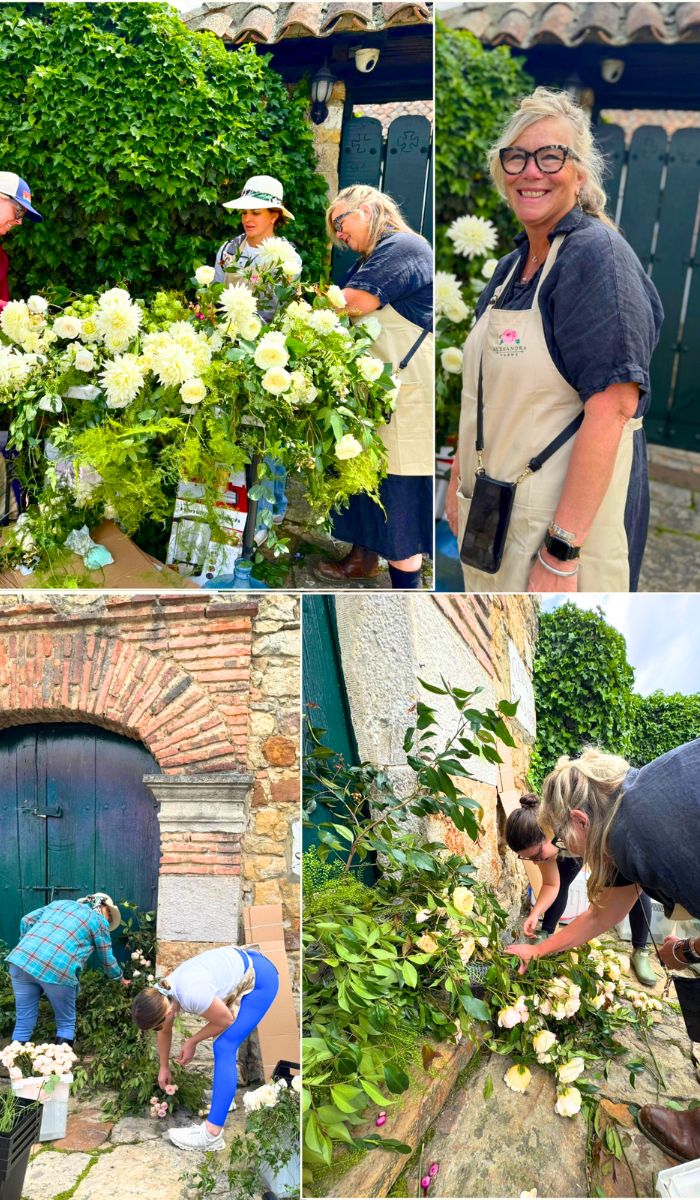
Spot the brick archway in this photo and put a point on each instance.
(119, 685)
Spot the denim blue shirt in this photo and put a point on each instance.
(399, 271)
(601, 316)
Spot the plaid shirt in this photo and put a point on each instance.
(56, 941)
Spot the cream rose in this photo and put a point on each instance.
(67, 327)
(347, 447)
(204, 276)
(37, 305)
(543, 1041)
(370, 368)
(571, 1070)
(84, 360)
(276, 380)
(426, 943)
(463, 900)
(517, 1078)
(335, 296)
(193, 391)
(568, 1102)
(451, 360)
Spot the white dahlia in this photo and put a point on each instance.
(472, 236)
(449, 301)
(14, 321)
(122, 379)
(173, 365)
(237, 303)
(278, 252)
(117, 322)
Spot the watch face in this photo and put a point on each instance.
(560, 549)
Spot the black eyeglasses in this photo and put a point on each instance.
(338, 221)
(548, 159)
(17, 210)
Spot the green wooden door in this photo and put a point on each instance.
(325, 698)
(76, 817)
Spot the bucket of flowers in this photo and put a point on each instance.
(112, 402)
(44, 1073)
(267, 1156)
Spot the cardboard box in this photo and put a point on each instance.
(132, 567)
(278, 1031)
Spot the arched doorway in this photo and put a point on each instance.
(75, 815)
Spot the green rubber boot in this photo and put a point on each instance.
(642, 968)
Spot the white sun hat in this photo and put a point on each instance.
(96, 900)
(261, 191)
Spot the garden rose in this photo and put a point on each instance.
(335, 296)
(193, 391)
(543, 1041)
(347, 447)
(517, 1078)
(423, 915)
(466, 950)
(568, 1102)
(271, 352)
(463, 900)
(67, 327)
(204, 276)
(451, 360)
(571, 1070)
(37, 305)
(250, 329)
(296, 1084)
(489, 267)
(426, 943)
(509, 1017)
(370, 368)
(276, 380)
(84, 360)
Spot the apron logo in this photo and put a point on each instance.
(509, 344)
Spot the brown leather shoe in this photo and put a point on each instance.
(676, 1133)
(358, 564)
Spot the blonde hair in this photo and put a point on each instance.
(385, 214)
(544, 102)
(150, 1008)
(593, 784)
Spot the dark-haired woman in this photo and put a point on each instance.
(231, 989)
(559, 868)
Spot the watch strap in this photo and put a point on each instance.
(560, 549)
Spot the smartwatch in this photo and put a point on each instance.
(559, 548)
(690, 955)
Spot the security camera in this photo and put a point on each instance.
(612, 69)
(366, 60)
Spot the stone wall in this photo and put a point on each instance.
(484, 642)
(327, 139)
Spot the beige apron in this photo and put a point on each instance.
(409, 434)
(527, 403)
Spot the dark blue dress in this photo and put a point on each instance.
(601, 316)
(399, 271)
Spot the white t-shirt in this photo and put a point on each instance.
(200, 980)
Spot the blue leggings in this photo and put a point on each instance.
(252, 1010)
(28, 991)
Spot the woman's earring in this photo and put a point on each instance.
(578, 201)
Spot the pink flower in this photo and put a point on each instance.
(433, 1169)
(426, 1182)
(509, 335)
(381, 1119)
(170, 1089)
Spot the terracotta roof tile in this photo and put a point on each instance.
(270, 20)
(343, 16)
(645, 22)
(615, 24)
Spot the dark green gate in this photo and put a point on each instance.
(661, 179)
(398, 164)
(76, 816)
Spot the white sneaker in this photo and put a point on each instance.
(196, 1137)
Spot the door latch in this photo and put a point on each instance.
(43, 816)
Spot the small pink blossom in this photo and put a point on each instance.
(381, 1119)
(509, 335)
(170, 1089)
(433, 1169)
(426, 1182)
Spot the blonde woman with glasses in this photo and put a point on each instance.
(549, 491)
(391, 280)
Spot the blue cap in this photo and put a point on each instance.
(18, 189)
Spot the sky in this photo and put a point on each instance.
(662, 632)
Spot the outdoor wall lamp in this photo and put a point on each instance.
(321, 88)
(612, 69)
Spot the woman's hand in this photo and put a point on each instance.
(530, 924)
(187, 1052)
(666, 954)
(164, 1078)
(451, 505)
(542, 580)
(524, 953)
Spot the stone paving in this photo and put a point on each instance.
(130, 1160)
(672, 556)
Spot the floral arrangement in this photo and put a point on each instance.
(25, 1060)
(112, 401)
(474, 238)
(160, 1108)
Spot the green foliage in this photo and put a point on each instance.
(659, 723)
(479, 89)
(583, 687)
(270, 1143)
(376, 983)
(132, 131)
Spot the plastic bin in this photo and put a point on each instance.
(285, 1181)
(661, 927)
(683, 1180)
(577, 901)
(54, 1105)
(15, 1148)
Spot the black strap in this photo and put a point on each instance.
(416, 345)
(538, 460)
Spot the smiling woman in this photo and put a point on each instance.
(549, 491)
